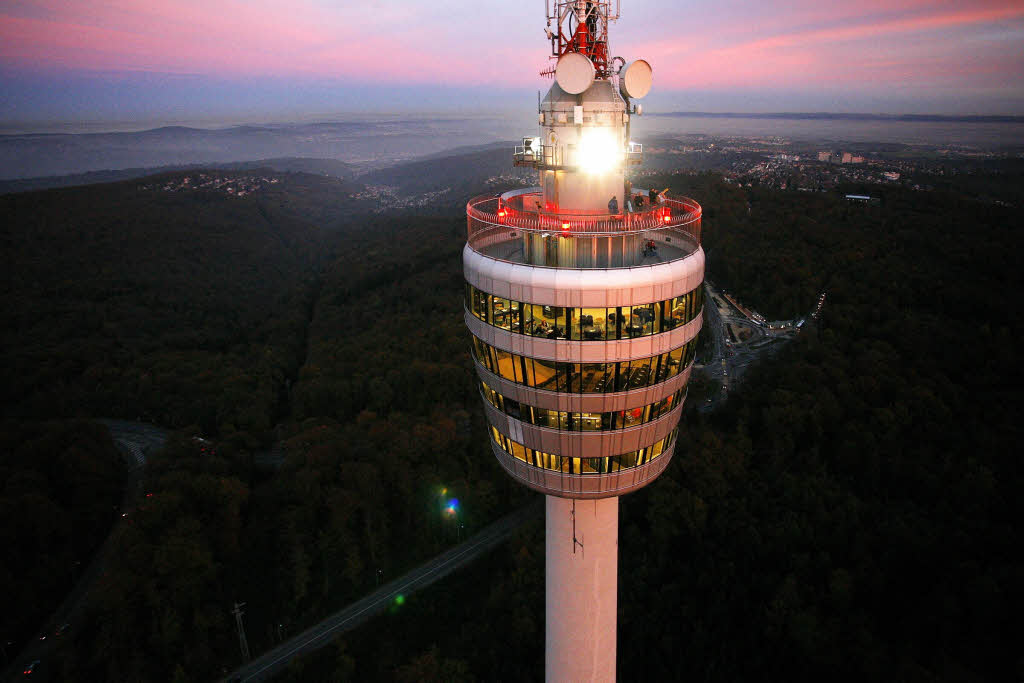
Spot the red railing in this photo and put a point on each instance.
(487, 212)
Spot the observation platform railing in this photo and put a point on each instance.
(494, 222)
(487, 211)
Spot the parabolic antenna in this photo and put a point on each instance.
(574, 72)
(635, 81)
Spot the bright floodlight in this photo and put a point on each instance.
(598, 152)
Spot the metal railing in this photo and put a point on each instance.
(537, 155)
(634, 152)
(549, 156)
(486, 213)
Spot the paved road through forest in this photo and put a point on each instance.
(315, 637)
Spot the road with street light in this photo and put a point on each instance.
(135, 440)
(315, 637)
(736, 341)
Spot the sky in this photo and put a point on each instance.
(194, 60)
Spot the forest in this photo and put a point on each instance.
(849, 513)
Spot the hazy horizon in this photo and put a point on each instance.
(522, 115)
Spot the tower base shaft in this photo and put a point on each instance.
(581, 566)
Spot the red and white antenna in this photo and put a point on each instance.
(581, 27)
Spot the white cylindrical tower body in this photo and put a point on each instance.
(581, 577)
(586, 136)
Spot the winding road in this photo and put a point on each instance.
(135, 440)
(315, 637)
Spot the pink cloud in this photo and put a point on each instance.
(715, 45)
(843, 52)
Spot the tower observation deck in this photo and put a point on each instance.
(584, 298)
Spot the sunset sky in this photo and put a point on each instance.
(68, 60)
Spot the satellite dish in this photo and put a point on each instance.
(574, 73)
(635, 81)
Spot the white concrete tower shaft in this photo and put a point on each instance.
(581, 576)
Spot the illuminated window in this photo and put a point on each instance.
(584, 466)
(588, 378)
(581, 422)
(544, 372)
(585, 324)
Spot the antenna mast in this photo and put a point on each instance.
(580, 26)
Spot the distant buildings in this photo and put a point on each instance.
(862, 199)
(840, 158)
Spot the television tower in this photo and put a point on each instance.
(584, 298)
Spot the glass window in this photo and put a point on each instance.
(504, 365)
(631, 417)
(544, 374)
(642, 321)
(677, 312)
(632, 323)
(479, 304)
(622, 379)
(518, 452)
(627, 460)
(691, 352)
(501, 312)
(564, 371)
(562, 319)
(659, 366)
(590, 378)
(594, 376)
(587, 324)
(592, 324)
(512, 408)
(675, 357)
(575, 378)
(554, 462)
(663, 406)
(491, 395)
(546, 418)
(659, 316)
(583, 465)
(575, 318)
(525, 368)
(612, 320)
(640, 373)
(534, 322)
(589, 422)
(548, 320)
(481, 353)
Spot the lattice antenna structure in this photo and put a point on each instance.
(580, 26)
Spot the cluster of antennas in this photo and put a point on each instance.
(578, 31)
(581, 27)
